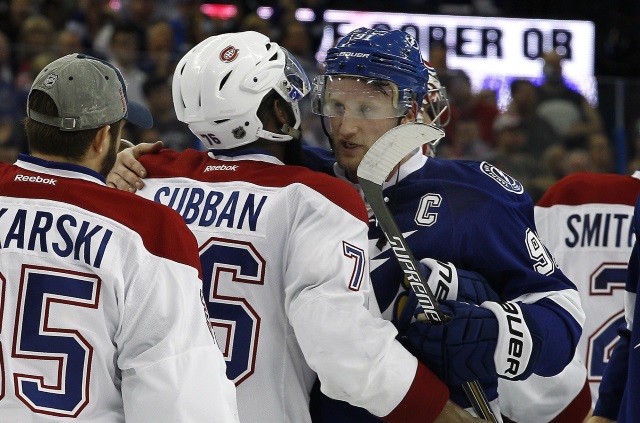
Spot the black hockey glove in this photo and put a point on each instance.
(447, 283)
(478, 343)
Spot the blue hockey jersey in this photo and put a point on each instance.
(479, 218)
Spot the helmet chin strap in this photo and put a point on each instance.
(294, 133)
(272, 136)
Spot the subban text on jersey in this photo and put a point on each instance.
(63, 235)
(231, 209)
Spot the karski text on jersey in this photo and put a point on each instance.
(63, 235)
(599, 230)
(234, 209)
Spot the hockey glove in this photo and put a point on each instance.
(450, 283)
(446, 283)
(478, 343)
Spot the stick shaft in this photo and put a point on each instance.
(375, 167)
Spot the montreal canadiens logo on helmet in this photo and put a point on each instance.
(229, 54)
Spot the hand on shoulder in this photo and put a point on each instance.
(127, 172)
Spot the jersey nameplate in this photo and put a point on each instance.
(63, 235)
(197, 206)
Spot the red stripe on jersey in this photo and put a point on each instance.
(585, 188)
(424, 401)
(162, 230)
(578, 409)
(199, 166)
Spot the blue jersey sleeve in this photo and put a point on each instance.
(515, 257)
(619, 389)
(614, 379)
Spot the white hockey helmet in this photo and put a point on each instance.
(220, 83)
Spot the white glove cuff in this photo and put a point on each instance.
(443, 280)
(515, 344)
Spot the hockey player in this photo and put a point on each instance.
(562, 398)
(586, 220)
(469, 214)
(618, 393)
(565, 397)
(283, 249)
(101, 318)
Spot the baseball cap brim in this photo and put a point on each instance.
(139, 115)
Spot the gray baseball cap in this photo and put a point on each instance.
(89, 92)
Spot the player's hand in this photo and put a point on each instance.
(452, 413)
(128, 172)
(447, 282)
(124, 144)
(479, 342)
(462, 349)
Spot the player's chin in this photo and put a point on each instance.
(349, 162)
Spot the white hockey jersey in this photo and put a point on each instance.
(286, 280)
(585, 221)
(101, 316)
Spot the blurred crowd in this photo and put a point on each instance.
(545, 133)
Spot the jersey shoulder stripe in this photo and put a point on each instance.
(585, 188)
(142, 216)
(198, 165)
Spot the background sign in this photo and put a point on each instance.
(492, 51)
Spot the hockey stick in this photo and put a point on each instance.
(374, 169)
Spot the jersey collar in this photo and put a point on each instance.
(254, 154)
(65, 170)
(415, 162)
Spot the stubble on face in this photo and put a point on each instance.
(350, 152)
(355, 132)
(109, 159)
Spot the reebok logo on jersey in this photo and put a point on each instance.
(36, 179)
(220, 167)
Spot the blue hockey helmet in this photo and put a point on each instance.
(390, 55)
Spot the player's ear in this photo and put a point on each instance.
(101, 140)
(280, 113)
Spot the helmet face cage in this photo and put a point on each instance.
(436, 103)
(388, 55)
(219, 85)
